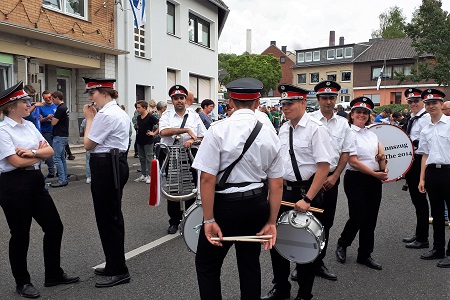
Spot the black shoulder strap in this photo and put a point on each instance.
(248, 143)
(184, 120)
(292, 154)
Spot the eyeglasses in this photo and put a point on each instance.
(332, 98)
(360, 111)
(413, 101)
(178, 98)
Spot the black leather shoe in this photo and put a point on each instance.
(445, 263)
(325, 273)
(432, 254)
(28, 291)
(50, 175)
(409, 240)
(341, 254)
(109, 281)
(58, 184)
(71, 157)
(64, 279)
(172, 229)
(294, 274)
(299, 298)
(100, 271)
(277, 294)
(370, 263)
(417, 245)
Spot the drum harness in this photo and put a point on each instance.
(409, 127)
(222, 185)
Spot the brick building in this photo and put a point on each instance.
(285, 62)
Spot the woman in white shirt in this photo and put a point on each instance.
(366, 170)
(23, 193)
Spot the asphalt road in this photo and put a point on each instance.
(168, 272)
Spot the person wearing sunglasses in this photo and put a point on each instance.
(418, 120)
(435, 171)
(170, 127)
(24, 196)
(366, 170)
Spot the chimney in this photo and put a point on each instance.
(284, 48)
(273, 43)
(341, 41)
(332, 38)
(248, 46)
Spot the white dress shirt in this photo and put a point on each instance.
(341, 136)
(264, 118)
(435, 141)
(223, 144)
(110, 129)
(170, 119)
(13, 135)
(366, 147)
(311, 143)
(419, 124)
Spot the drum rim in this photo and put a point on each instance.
(193, 207)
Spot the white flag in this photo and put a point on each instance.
(138, 9)
(379, 78)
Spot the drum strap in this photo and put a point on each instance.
(182, 125)
(411, 121)
(226, 172)
(292, 154)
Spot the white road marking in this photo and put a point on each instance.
(144, 248)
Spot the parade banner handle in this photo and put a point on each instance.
(155, 184)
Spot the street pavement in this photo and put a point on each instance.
(167, 271)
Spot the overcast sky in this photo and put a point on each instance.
(300, 24)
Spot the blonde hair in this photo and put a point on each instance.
(152, 103)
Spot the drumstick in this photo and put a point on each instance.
(238, 239)
(268, 236)
(313, 209)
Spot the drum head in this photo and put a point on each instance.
(398, 148)
(191, 225)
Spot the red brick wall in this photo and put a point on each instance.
(103, 22)
(285, 68)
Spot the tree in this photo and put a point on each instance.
(430, 32)
(265, 68)
(224, 58)
(392, 24)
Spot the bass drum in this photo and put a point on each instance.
(300, 237)
(398, 148)
(191, 224)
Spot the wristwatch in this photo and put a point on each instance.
(34, 152)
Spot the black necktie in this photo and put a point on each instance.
(410, 124)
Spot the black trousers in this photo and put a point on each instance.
(438, 189)
(173, 207)
(364, 198)
(23, 198)
(236, 217)
(419, 200)
(108, 211)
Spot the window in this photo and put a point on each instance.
(201, 87)
(407, 70)
(387, 72)
(314, 77)
(330, 54)
(139, 41)
(346, 76)
(199, 30)
(316, 56)
(300, 57)
(339, 53)
(348, 52)
(77, 8)
(170, 18)
(171, 78)
(331, 77)
(398, 97)
(345, 98)
(282, 59)
(308, 56)
(374, 97)
(301, 78)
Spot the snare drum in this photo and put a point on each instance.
(398, 148)
(299, 237)
(191, 224)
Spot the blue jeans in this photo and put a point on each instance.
(88, 168)
(49, 161)
(59, 145)
(145, 157)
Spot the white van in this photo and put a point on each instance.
(344, 104)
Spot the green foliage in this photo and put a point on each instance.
(394, 108)
(430, 31)
(392, 24)
(265, 68)
(223, 60)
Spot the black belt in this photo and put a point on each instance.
(438, 166)
(107, 155)
(30, 168)
(302, 183)
(237, 195)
